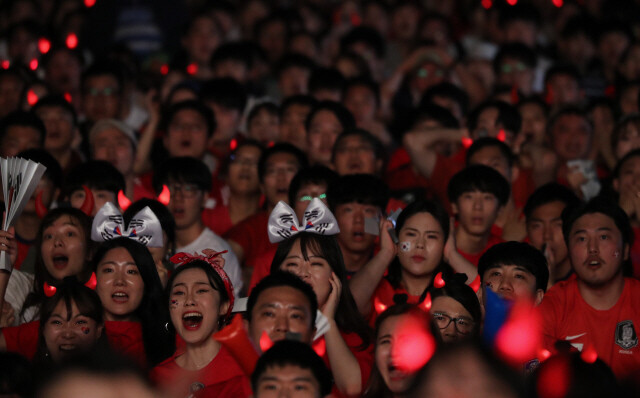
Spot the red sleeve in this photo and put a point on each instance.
(443, 170)
(22, 339)
(549, 314)
(363, 356)
(241, 233)
(237, 387)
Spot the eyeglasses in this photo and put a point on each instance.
(462, 324)
(187, 190)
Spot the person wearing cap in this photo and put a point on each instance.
(113, 141)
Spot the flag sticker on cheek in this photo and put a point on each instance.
(405, 246)
(86, 330)
(174, 303)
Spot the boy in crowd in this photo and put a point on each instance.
(20, 131)
(352, 199)
(249, 240)
(102, 88)
(600, 309)
(543, 214)
(293, 114)
(189, 182)
(61, 123)
(309, 183)
(514, 271)
(358, 151)
(477, 195)
(291, 368)
(104, 181)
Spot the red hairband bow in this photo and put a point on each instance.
(216, 261)
(50, 290)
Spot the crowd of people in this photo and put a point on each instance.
(358, 198)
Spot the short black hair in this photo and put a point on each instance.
(430, 111)
(183, 169)
(447, 90)
(23, 119)
(293, 353)
(601, 205)
(266, 106)
(562, 69)
(226, 92)
(519, 51)
(53, 171)
(479, 178)
(316, 174)
(95, 174)
(293, 60)
(344, 116)
(56, 101)
(238, 51)
(104, 68)
(485, 142)
(326, 79)
(551, 192)
(281, 147)
(573, 110)
(196, 106)
(522, 11)
(299, 99)
(508, 115)
(364, 81)
(281, 278)
(376, 145)
(516, 253)
(359, 188)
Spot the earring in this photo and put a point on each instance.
(166, 326)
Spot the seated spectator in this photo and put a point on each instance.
(326, 121)
(358, 152)
(20, 131)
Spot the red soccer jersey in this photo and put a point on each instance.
(474, 258)
(612, 333)
(217, 219)
(221, 378)
(251, 235)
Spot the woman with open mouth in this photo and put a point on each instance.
(200, 304)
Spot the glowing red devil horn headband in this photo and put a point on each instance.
(50, 290)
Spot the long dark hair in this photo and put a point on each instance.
(377, 388)
(456, 288)
(41, 275)
(214, 280)
(152, 312)
(420, 206)
(70, 291)
(348, 317)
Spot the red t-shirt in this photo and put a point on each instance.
(400, 173)
(125, 337)
(474, 258)
(251, 235)
(612, 333)
(635, 253)
(217, 219)
(262, 267)
(222, 377)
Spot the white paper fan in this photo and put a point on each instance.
(20, 177)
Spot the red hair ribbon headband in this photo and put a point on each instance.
(144, 226)
(318, 219)
(216, 261)
(50, 290)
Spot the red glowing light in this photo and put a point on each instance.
(89, 3)
(425, 305)
(49, 290)
(192, 69)
(233, 144)
(265, 341)
(72, 40)
(519, 338)
(320, 347)
(123, 201)
(164, 69)
(487, 4)
(414, 346)
(558, 3)
(32, 97)
(92, 282)
(514, 95)
(512, 2)
(589, 354)
(553, 378)
(67, 96)
(6, 64)
(501, 135)
(355, 19)
(44, 45)
(467, 142)
(33, 64)
(165, 196)
(438, 281)
(475, 285)
(379, 306)
(544, 354)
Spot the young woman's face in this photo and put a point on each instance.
(63, 248)
(453, 320)
(396, 379)
(195, 306)
(421, 244)
(120, 285)
(316, 271)
(65, 334)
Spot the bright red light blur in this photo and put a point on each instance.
(71, 41)
(44, 45)
(487, 4)
(89, 3)
(379, 306)
(265, 341)
(414, 346)
(32, 97)
(192, 69)
(165, 196)
(553, 378)
(589, 354)
(123, 201)
(438, 282)
(519, 338)
(33, 64)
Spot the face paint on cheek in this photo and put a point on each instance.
(174, 303)
(405, 246)
(86, 330)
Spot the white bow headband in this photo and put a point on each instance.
(318, 219)
(144, 226)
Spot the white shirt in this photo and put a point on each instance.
(18, 288)
(209, 240)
